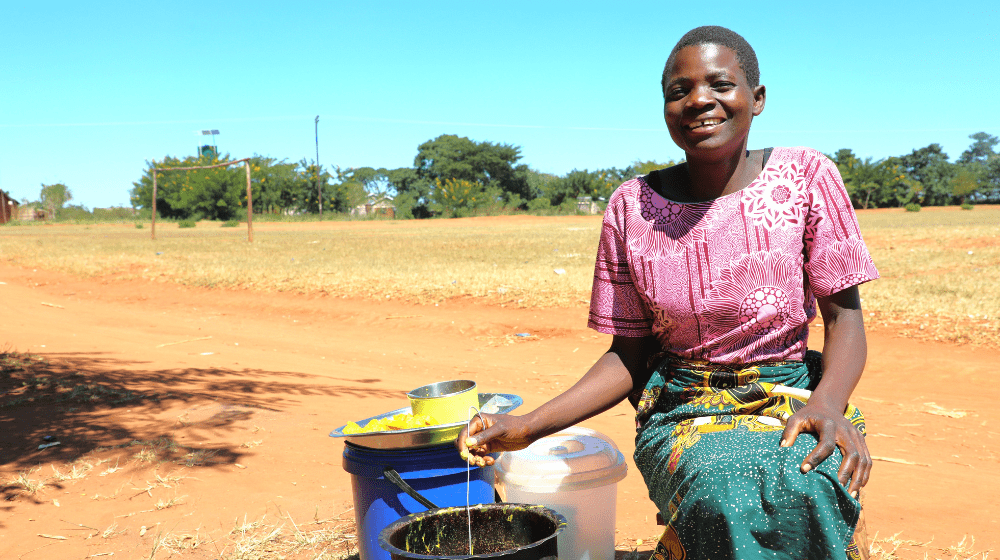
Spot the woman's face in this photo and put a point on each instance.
(708, 104)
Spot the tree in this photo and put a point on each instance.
(982, 161)
(214, 194)
(459, 158)
(929, 166)
(413, 193)
(54, 197)
(981, 149)
(879, 183)
(964, 183)
(576, 183)
(843, 157)
(639, 167)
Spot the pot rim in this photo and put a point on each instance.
(383, 540)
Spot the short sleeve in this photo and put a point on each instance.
(836, 257)
(615, 304)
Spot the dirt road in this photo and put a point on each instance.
(235, 392)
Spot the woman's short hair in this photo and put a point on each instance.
(716, 35)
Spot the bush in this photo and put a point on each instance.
(967, 206)
(912, 207)
(231, 223)
(186, 223)
(138, 226)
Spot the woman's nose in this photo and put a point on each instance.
(700, 97)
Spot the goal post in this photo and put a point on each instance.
(246, 166)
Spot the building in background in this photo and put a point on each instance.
(376, 206)
(9, 208)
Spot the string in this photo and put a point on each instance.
(468, 468)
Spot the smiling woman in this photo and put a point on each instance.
(708, 274)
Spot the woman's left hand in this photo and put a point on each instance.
(831, 429)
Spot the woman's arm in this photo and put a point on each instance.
(606, 384)
(844, 353)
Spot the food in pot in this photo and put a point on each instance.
(398, 422)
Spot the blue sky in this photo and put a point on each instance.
(90, 91)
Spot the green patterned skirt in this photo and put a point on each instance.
(708, 447)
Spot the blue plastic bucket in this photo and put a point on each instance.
(437, 473)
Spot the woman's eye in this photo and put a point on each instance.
(676, 93)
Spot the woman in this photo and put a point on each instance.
(708, 274)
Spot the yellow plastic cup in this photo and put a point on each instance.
(446, 402)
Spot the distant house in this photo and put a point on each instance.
(376, 206)
(32, 213)
(586, 205)
(9, 208)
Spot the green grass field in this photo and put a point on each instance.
(940, 268)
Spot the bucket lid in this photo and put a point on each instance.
(574, 459)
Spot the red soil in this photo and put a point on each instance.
(284, 370)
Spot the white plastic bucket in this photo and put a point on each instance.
(575, 472)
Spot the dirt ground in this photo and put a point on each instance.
(236, 393)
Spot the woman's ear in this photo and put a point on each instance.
(759, 96)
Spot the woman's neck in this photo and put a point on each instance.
(708, 180)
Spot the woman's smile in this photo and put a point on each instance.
(705, 125)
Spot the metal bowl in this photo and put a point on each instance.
(491, 403)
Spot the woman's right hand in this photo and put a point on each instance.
(492, 433)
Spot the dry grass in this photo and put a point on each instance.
(77, 470)
(940, 274)
(265, 538)
(507, 262)
(894, 547)
(940, 268)
(24, 481)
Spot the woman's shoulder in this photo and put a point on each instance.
(627, 192)
(803, 155)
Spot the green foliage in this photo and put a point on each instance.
(646, 167)
(138, 225)
(186, 223)
(460, 198)
(540, 205)
(596, 185)
(450, 157)
(75, 213)
(912, 207)
(230, 223)
(114, 214)
(965, 181)
(930, 168)
(981, 149)
(220, 193)
(203, 193)
(54, 197)
(967, 206)
(878, 184)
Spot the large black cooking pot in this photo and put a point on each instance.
(499, 531)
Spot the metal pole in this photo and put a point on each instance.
(153, 226)
(319, 189)
(246, 164)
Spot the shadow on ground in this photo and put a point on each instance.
(90, 401)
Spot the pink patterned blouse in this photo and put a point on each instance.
(730, 280)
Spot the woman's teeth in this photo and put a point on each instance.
(707, 122)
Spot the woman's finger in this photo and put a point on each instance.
(864, 465)
(827, 435)
(848, 472)
(792, 430)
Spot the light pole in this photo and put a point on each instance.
(319, 188)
